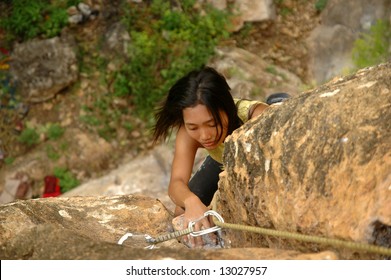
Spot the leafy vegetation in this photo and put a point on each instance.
(55, 131)
(373, 47)
(67, 180)
(320, 5)
(167, 42)
(169, 38)
(28, 19)
(29, 136)
(9, 160)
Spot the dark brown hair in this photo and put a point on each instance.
(206, 87)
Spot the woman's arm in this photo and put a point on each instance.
(182, 166)
(259, 109)
(178, 190)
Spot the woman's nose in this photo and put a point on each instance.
(205, 135)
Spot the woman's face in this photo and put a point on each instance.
(201, 126)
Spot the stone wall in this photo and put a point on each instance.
(319, 164)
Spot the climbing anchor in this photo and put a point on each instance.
(189, 230)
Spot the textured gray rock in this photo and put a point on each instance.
(250, 76)
(90, 228)
(25, 225)
(246, 10)
(148, 174)
(319, 164)
(42, 68)
(342, 22)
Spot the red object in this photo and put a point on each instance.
(4, 51)
(52, 187)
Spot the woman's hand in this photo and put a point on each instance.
(194, 211)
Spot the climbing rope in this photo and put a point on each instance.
(308, 238)
(220, 224)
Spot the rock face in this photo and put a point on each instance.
(342, 22)
(148, 175)
(90, 227)
(26, 224)
(319, 164)
(254, 11)
(247, 11)
(42, 68)
(250, 76)
(107, 218)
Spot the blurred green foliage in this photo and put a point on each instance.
(168, 39)
(29, 136)
(55, 131)
(27, 19)
(167, 42)
(373, 47)
(67, 180)
(320, 5)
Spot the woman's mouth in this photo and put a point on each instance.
(208, 144)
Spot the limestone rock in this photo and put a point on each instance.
(42, 68)
(117, 41)
(147, 174)
(252, 11)
(246, 11)
(319, 164)
(342, 22)
(90, 228)
(256, 10)
(103, 219)
(249, 76)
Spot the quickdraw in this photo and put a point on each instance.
(220, 224)
(189, 230)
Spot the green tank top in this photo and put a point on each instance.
(244, 107)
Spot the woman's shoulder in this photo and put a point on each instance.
(245, 107)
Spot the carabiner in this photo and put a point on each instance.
(208, 230)
(148, 239)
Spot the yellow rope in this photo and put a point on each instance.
(308, 238)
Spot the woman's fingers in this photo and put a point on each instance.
(198, 225)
